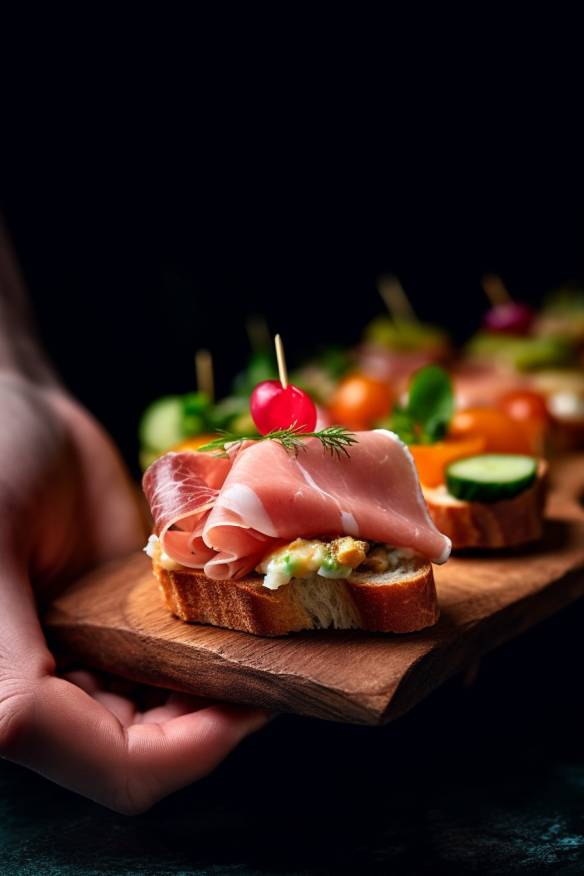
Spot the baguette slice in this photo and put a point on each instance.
(399, 601)
(508, 523)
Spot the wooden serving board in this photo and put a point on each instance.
(115, 620)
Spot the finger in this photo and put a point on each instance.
(87, 681)
(169, 756)
(124, 707)
(121, 707)
(176, 705)
(23, 643)
(121, 696)
(148, 697)
(75, 741)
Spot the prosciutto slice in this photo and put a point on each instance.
(224, 515)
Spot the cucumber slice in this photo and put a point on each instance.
(490, 477)
(161, 425)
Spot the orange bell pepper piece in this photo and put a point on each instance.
(432, 459)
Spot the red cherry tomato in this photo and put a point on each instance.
(512, 317)
(273, 407)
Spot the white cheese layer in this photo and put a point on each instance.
(153, 549)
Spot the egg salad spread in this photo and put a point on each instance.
(330, 559)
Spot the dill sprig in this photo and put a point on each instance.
(334, 439)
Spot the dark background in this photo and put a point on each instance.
(154, 206)
(166, 175)
(135, 256)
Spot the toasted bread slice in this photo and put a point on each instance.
(508, 523)
(398, 601)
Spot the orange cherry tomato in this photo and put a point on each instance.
(529, 410)
(359, 401)
(431, 459)
(524, 404)
(500, 432)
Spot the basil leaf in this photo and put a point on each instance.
(426, 417)
(431, 402)
(434, 430)
(402, 424)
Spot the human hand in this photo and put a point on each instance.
(66, 503)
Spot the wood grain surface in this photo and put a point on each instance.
(114, 619)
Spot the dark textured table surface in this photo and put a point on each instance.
(481, 778)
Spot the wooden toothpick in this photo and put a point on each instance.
(495, 290)
(395, 299)
(204, 369)
(282, 370)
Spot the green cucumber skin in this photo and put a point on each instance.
(487, 493)
(468, 489)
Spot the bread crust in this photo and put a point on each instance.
(399, 606)
(508, 523)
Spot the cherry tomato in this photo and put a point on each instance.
(524, 404)
(273, 407)
(511, 317)
(500, 432)
(359, 401)
(529, 410)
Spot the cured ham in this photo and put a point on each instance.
(181, 489)
(477, 385)
(224, 514)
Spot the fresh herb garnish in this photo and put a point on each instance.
(430, 407)
(334, 439)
